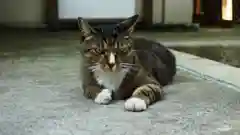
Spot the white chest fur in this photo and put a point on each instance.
(110, 80)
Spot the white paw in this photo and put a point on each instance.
(104, 97)
(135, 104)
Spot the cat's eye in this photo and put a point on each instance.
(93, 50)
(96, 51)
(126, 37)
(123, 50)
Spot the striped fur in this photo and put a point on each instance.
(120, 66)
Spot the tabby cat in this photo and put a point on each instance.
(121, 67)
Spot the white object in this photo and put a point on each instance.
(135, 104)
(92, 9)
(104, 97)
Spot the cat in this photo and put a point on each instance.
(122, 67)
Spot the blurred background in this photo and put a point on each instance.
(58, 14)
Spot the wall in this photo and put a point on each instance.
(157, 11)
(176, 11)
(22, 13)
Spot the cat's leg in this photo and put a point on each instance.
(92, 90)
(100, 96)
(143, 96)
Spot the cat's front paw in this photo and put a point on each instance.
(104, 97)
(135, 104)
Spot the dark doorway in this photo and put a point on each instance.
(211, 12)
(237, 11)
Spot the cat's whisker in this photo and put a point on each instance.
(129, 67)
(122, 66)
(94, 67)
(126, 64)
(93, 70)
(91, 67)
(134, 51)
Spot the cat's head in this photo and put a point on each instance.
(108, 48)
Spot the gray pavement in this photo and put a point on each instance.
(40, 95)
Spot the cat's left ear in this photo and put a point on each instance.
(86, 30)
(129, 24)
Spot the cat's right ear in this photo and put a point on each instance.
(86, 30)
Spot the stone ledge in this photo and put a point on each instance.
(202, 43)
(209, 69)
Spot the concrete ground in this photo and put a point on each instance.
(40, 95)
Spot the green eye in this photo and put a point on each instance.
(124, 50)
(126, 37)
(93, 50)
(96, 51)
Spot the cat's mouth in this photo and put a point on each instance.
(110, 67)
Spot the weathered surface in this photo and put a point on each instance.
(40, 95)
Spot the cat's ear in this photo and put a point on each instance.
(129, 24)
(86, 30)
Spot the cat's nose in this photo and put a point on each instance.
(111, 59)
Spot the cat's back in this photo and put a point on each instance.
(157, 57)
